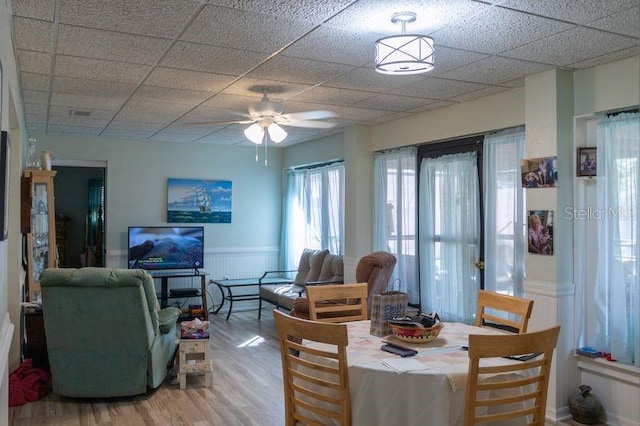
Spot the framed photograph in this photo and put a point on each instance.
(539, 172)
(4, 185)
(587, 161)
(198, 201)
(540, 232)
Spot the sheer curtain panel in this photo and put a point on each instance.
(394, 221)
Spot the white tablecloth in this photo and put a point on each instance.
(424, 389)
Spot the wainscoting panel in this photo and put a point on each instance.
(219, 263)
(6, 334)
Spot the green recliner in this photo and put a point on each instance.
(106, 336)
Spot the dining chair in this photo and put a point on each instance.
(316, 382)
(503, 302)
(522, 388)
(338, 302)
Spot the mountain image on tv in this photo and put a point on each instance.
(165, 248)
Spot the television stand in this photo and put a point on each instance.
(164, 289)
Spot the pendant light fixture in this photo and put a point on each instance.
(404, 54)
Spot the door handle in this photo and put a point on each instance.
(479, 264)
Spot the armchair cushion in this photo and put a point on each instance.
(332, 269)
(310, 266)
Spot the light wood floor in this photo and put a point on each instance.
(247, 387)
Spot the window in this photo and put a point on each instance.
(313, 211)
(610, 231)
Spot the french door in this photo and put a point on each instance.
(451, 228)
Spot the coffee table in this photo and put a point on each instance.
(231, 284)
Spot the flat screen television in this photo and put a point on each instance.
(165, 247)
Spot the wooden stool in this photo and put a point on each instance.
(194, 358)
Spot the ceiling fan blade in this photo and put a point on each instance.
(218, 123)
(308, 123)
(309, 115)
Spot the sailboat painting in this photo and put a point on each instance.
(198, 201)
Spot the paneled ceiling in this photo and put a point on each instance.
(144, 69)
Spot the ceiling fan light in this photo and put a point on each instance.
(255, 133)
(276, 133)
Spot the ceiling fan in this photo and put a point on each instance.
(266, 117)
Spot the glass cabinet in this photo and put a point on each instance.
(38, 227)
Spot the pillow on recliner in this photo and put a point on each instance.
(332, 268)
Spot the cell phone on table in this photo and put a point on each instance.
(398, 350)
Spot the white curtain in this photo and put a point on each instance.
(394, 220)
(449, 214)
(504, 218)
(617, 294)
(313, 212)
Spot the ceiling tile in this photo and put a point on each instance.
(35, 97)
(626, 22)
(36, 62)
(134, 133)
(374, 16)
(106, 89)
(395, 116)
(495, 70)
(32, 35)
(178, 96)
(314, 11)
(172, 137)
(36, 109)
(333, 96)
(96, 113)
(123, 124)
(481, 34)
(447, 59)
(231, 102)
(479, 93)
(97, 69)
(37, 118)
(43, 10)
(34, 127)
(159, 18)
(605, 59)
(276, 90)
(257, 32)
(578, 11)
(73, 130)
(438, 88)
(32, 81)
(77, 121)
(112, 46)
(151, 107)
(199, 57)
(331, 44)
(298, 70)
(189, 80)
(368, 79)
(572, 46)
(392, 102)
(433, 106)
(83, 101)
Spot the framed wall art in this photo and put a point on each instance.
(587, 161)
(540, 232)
(198, 201)
(539, 172)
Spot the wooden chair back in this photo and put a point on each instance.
(524, 393)
(502, 302)
(337, 302)
(316, 382)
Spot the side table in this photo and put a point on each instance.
(194, 358)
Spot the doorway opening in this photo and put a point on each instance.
(80, 206)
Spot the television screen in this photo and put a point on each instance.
(169, 247)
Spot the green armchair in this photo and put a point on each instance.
(106, 336)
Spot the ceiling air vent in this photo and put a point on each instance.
(79, 113)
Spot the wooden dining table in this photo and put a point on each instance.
(427, 388)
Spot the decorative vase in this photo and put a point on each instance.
(45, 160)
(33, 158)
(586, 408)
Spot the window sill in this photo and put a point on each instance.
(612, 370)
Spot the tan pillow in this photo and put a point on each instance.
(310, 265)
(332, 268)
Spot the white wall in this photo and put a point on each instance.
(136, 185)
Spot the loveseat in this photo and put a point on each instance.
(106, 334)
(315, 267)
